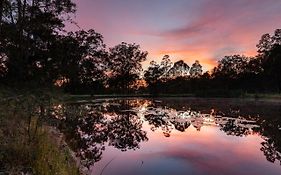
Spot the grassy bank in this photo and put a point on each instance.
(26, 143)
(52, 157)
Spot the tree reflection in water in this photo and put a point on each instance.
(125, 131)
(271, 146)
(89, 128)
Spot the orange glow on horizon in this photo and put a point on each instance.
(206, 60)
(190, 31)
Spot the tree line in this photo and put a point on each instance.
(35, 50)
(234, 74)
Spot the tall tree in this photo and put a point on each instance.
(78, 59)
(269, 48)
(196, 70)
(277, 37)
(152, 76)
(231, 66)
(265, 43)
(158, 72)
(179, 69)
(28, 28)
(125, 64)
(92, 64)
(165, 66)
(272, 67)
(1, 11)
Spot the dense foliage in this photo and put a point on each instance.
(234, 74)
(35, 50)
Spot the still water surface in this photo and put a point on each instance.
(175, 136)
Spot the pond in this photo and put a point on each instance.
(174, 136)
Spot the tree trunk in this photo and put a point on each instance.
(1, 13)
(21, 57)
(1, 19)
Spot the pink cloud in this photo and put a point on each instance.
(205, 30)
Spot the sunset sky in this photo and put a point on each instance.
(184, 29)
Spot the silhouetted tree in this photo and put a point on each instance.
(233, 75)
(153, 73)
(158, 73)
(277, 37)
(125, 131)
(86, 63)
(271, 66)
(265, 43)
(35, 48)
(196, 70)
(165, 66)
(89, 127)
(254, 66)
(28, 27)
(125, 64)
(231, 66)
(179, 69)
(269, 49)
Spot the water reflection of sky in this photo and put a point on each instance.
(208, 151)
(212, 143)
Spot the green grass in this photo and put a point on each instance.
(51, 158)
(43, 156)
(26, 145)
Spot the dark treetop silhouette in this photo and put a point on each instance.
(35, 50)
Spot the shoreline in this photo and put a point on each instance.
(59, 138)
(112, 96)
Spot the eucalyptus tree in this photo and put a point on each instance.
(267, 42)
(231, 66)
(165, 65)
(124, 61)
(179, 69)
(196, 70)
(153, 73)
(158, 72)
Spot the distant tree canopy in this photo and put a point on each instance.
(179, 69)
(35, 48)
(166, 72)
(231, 67)
(261, 73)
(196, 69)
